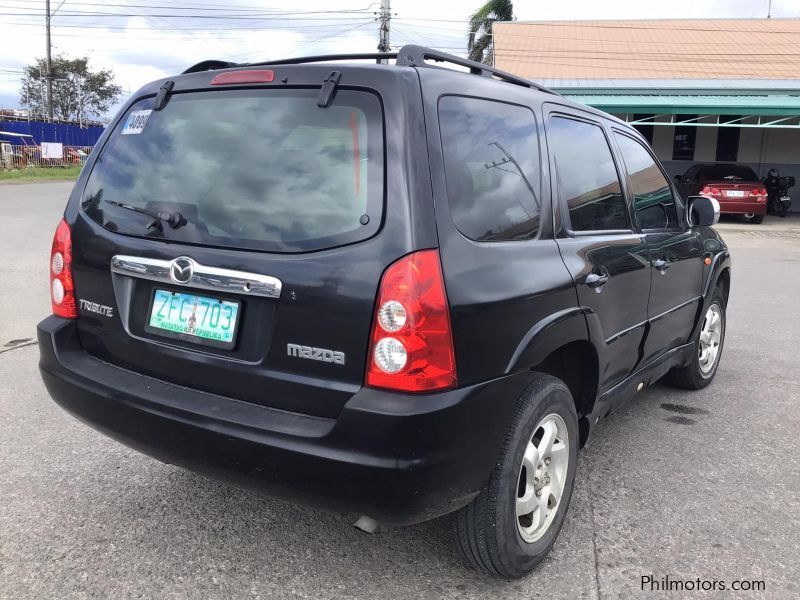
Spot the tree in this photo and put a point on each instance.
(78, 92)
(479, 42)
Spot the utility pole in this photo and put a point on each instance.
(384, 18)
(49, 67)
(80, 102)
(42, 95)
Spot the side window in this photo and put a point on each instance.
(653, 202)
(491, 162)
(587, 177)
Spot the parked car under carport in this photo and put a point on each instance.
(736, 187)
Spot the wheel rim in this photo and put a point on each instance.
(710, 339)
(542, 476)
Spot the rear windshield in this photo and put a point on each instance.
(732, 173)
(252, 169)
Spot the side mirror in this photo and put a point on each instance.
(678, 179)
(703, 211)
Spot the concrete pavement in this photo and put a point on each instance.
(676, 484)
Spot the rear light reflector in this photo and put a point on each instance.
(62, 289)
(250, 76)
(411, 345)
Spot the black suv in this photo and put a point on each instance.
(397, 290)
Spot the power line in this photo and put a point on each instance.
(306, 43)
(260, 15)
(202, 7)
(215, 29)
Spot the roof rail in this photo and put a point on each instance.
(376, 56)
(415, 56)
(410, 56)
(209, 65)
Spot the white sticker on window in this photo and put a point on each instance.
(136, 122)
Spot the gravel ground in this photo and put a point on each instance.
(676, 484)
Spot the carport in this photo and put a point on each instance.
(759, 127)
(700, 90)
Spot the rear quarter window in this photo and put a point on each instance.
(254, 169)
(491, 161)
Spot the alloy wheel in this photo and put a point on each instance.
(710, 339)
(542, 476)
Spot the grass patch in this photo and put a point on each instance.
(33, 174)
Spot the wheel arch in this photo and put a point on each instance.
(724, 282)
(576, 363)
(719, 276)
(560, 345)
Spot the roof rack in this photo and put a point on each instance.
(415, 56)
(376, 56)
(212, 65)
(410, 55)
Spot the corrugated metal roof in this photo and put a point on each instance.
(686, 49)
(700, 105)
(717, 86)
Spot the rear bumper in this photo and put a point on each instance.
(743, 207)
(398, 458)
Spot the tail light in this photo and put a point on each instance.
(62, 289)
(411, 346)
(759, 192)
(711, 191)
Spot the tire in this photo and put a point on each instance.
(757, 219)
(697, 375)
(488, 531)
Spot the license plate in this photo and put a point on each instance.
(194, 318)
(785, 199)
(735, 194)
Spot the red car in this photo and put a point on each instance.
(737, 189)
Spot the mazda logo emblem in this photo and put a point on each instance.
(181, 269)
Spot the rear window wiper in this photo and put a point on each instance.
(173, 219)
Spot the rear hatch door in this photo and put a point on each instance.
(233, 241)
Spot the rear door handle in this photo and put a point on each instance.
(661, 265)
(596, 280)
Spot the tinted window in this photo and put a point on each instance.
(491, 161)
(587, 177)
(258, 169)
(684, 140)
(728, 139)
(646, 129)
(653, 202)
(732, 173)
(692, 172)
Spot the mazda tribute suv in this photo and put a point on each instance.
(393, 289)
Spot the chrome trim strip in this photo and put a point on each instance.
(202, 276)
(674, 308)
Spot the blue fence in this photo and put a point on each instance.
(70, 135)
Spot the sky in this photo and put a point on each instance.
(143, 40)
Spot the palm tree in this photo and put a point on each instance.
(479, 42)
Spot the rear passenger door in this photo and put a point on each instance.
(608, 260)
(674, 248)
